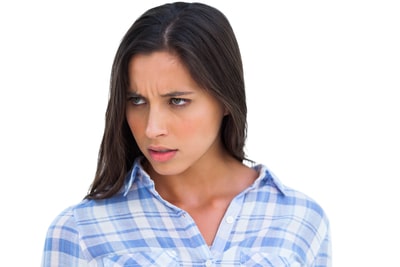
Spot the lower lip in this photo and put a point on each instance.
(162, 156)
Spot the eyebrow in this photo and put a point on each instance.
(170, 94)
(176, 93)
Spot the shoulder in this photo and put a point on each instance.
(309, 218)
(64, 224)
(292, 203)
(62, 243)
(296, 215)
(302, 201)
(287, 195)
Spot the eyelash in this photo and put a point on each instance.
(138, 101)
(184, 100)
(135, 99)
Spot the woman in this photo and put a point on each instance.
(171, 187)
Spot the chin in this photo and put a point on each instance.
(166, 169)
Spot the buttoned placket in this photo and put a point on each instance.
(227, 224)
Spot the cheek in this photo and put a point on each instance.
(135, 124)
(186, 128)
(203, 124)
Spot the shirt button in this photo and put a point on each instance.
(208, 263)
(230, 219)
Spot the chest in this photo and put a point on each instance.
(148, 233)
(208, 219)
(180, 242)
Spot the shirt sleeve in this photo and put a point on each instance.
(62, 244)
(324, 256)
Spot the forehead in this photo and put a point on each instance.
(159, 70)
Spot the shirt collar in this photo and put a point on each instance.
(265, 177)
(137, 172)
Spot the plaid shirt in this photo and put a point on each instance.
(267, 224)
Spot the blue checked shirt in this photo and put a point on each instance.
(267, 224)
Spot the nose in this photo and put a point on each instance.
(156, 123)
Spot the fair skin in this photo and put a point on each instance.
(176, 125)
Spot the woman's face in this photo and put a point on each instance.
(175, 123)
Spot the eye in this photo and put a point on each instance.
(179, 101)
(136, 100)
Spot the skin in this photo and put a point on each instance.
(176, 125)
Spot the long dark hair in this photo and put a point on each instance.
(201, 36)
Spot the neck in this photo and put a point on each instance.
(220, 178)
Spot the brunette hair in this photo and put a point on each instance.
(202, 37)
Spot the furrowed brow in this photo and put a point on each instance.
(133, 94)
(176, 94)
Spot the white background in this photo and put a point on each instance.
(323, 94)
